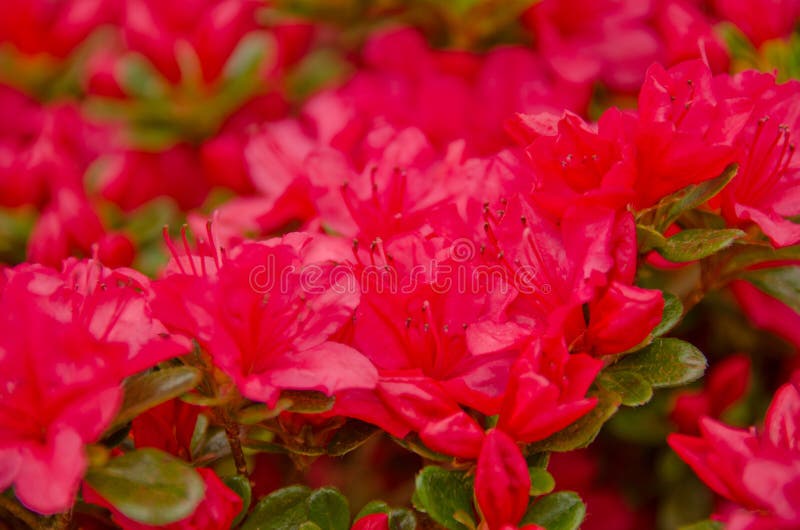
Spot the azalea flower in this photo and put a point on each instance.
(68, 341)
(502, 483)
(759, 471)
(267, 313)
(765, 188)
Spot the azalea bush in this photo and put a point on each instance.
(390, 265)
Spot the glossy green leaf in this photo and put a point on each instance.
(241, 487)
(542, 482)
(284, 509)
(666, 362)
(749, 255)
(698, 243)
(671, 207)
(563, 510)
(673, 311)
(631, 387)
(328, 509)
(145, 391)
(648, 238)
(441, 494)
(373, 507)
(149, 486)
(350, 436)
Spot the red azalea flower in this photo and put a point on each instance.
(765, 189)
(374, 521)
(418, 306)
(688, 34)
(131, 178)
(69, 225)
(42, 150)
(586, 40)
(760, 21)
(449, 96)
(685, 132)
(562, 271)
(54, 28)
(68, 341)
(547, 391)
(759, 471)
(168, 427)
(208, 29)
(502, 483)
(266, 313)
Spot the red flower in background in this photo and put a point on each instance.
(758, 471)
(726, 383)
(760, 21)
(203, 34)
(53, 28)
(447, 95)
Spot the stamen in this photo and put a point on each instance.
(188, 250)
(172, 249)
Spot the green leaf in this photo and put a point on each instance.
(250, 53)
(631, 387)
(402, 519)
(671, 207)
(199, 435)
(328, 509)
(666, 362)
(441, 493)
(782, 283)
(582, 432)
(308, 401)
(750, 255)
(149, 486)
(698, 243)
(281, 510)
(563, 510)
(373, 507)
(308, 525)
(145, 391)
(673, 311)
(241, 487)
(350, 436)
(648, 238)
(542, 482)
(140, 79)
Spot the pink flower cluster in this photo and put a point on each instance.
(442, 241)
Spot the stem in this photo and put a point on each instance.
(62, 521)
(12, 507)
(232, 431)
